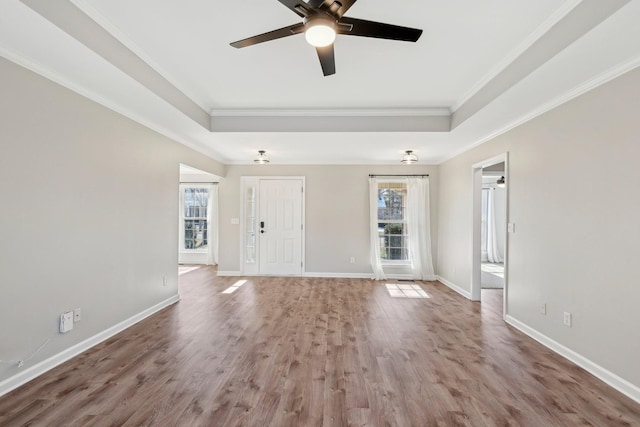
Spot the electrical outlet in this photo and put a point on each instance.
(352, 260)
(543, 308)
(567, 319)
(77, 315)
(164, 281)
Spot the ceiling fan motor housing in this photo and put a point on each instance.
(320, 19)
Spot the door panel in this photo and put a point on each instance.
(281, 236)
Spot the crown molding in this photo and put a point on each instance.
(373, 112)
(577, 91)
(556, 17)
(45, 72)
(77, 24)
(585, 16)
(116, 33)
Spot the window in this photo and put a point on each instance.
(250, 227)
(194, 218)
(392, 223)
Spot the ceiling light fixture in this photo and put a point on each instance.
(500, 182)
(409, 158)
(320, 31)
(262, 157)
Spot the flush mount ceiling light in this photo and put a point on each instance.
(409, 158)
(500, 182)
(262, 157)
(320, 31)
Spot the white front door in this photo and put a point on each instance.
(280, 226)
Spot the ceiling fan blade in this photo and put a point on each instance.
(298, 7)
(327, 59)
(271, 35)
(363, 28)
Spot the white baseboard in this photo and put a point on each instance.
(306, 274)
(228, 273)
(399, 276)
(38, 369)
(329, 275)
(340, 275)
(454, 287)
(620, 384)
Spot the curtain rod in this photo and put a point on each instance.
(209, 182)
(406, 176)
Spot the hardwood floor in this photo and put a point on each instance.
(312, 352)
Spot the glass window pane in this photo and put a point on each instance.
(251, 226)
(392, 229)
(395, 254)
(195, 214)
(391, 200)
(396, 241)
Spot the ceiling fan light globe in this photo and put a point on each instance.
(320, 35)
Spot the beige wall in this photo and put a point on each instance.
(91, 220)
(574, 198)
(337, 213)
(88, 216)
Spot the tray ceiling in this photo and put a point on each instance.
(479, 69)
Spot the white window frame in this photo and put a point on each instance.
(182, 219)
(386, 262)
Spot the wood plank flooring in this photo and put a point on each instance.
(318, 352)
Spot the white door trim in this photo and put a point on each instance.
(476, 285)
(247, 182)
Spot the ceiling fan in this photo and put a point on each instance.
(322, 20)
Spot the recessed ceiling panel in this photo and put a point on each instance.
(188, 42)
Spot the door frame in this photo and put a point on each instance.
(247, 183)
(476, 268)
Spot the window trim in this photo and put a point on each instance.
(391, 262)
(182, 218)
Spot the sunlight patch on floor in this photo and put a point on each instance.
(182, 269)
(231, 289)
(495, 269)
(406, 291)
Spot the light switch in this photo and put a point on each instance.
(235, 221)
(511, 227)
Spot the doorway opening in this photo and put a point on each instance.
(493, 227)
(490, 218)
(197, 219)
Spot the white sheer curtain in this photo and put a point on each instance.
(418, 229)
(493, 251)
(376, 263)
(212, 227)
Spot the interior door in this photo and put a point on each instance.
(280, 225)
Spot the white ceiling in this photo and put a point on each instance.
(483, 66)
(190, 43)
